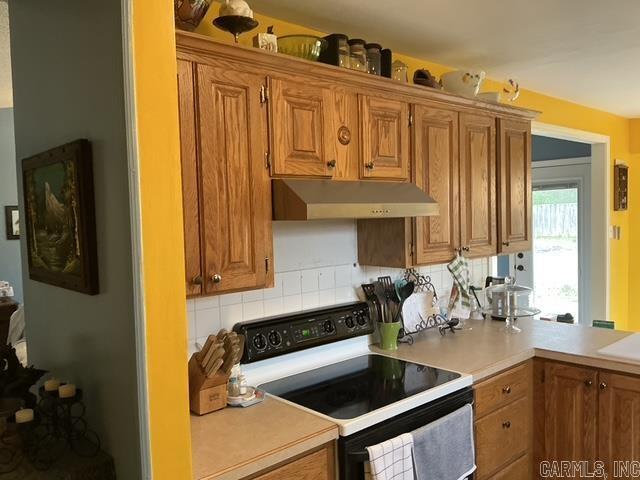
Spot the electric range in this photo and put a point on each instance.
(319, 361)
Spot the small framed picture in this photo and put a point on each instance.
(12, 219)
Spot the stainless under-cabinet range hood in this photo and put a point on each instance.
(328, 199)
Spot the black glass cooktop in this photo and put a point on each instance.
(357, 386)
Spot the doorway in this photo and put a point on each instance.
(598, 295)
(559, 265)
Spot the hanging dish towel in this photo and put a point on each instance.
(459, 268)
(391, 460)
(444, 449)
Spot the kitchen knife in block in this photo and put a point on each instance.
(206, 394)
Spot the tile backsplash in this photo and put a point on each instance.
(304, 289)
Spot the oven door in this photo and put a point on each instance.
(352, 453)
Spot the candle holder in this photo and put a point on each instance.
(235, 24)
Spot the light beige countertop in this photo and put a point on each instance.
(485, 350)
(237, 442)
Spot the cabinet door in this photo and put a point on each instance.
(514, 170)
(384, 127)
(478, 185)
(318, 465)
(619, 420)
(190, 179)
(435, 159)
(235, 195)
(301, 129)
(571, 409)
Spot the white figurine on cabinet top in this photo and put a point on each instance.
(235, 7)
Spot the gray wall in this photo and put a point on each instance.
(10, 266)
(546, 148)
(68, 84)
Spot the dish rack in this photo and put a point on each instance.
(423, 284)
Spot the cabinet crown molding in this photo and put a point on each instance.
(191, 46)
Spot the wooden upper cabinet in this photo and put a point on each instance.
(514, 171)
(190, 179)
(236, 197)
(571, 412)
(619, 419)
(384, 130)
(302, 140)
(435, 159)
(478, 226)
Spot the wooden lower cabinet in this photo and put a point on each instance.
(504, 425)
(571, 412)
(317, 465)
(618, 419)
(589, 415)
(518, 470)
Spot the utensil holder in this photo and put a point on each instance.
(389, 335)
(206, 394)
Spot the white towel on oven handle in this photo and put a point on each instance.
(391, 459)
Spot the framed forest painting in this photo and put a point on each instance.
(60, 217)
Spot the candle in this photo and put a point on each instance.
(68, 390)
(24, 415)
(51, 385)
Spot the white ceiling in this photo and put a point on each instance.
(6, 96)
(586, 51)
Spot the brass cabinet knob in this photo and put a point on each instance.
(506, 244)
(506, 425)
(370, 166)
(216, 278)
(603, 385)
(466, 249)
(197, 280)
(332, 164)
(588, 383)
(506, 390)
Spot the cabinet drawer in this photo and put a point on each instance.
(518, 470)
(503, 436)
(315, 466)
(503, 389)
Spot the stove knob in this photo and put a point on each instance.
(275, 338)
(328, 326)
(349, 321)
(362, 320)
(259, 341)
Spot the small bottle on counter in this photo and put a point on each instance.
(242, 380)
(233, 388)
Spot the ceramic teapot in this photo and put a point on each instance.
(463, 82)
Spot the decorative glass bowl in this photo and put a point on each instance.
(302, 46)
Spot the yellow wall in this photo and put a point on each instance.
(158, 139)
(161, 202)
(554, 111)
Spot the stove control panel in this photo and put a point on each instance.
(275, 336)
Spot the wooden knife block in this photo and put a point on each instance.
(206, 395)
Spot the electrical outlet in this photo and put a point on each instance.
(615, 232)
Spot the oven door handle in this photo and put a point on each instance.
(363, 455)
